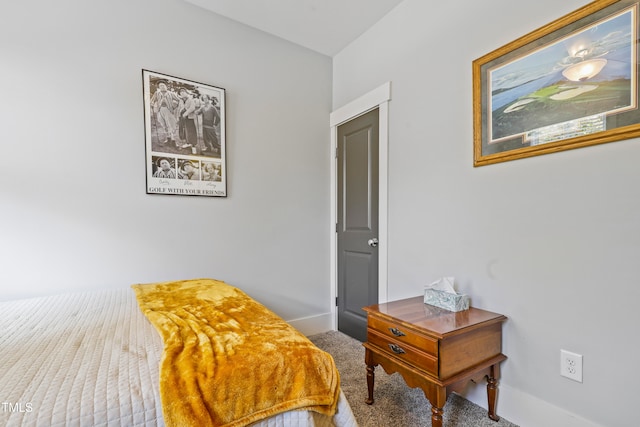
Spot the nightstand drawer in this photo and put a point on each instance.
(404, 352)
(401, 334)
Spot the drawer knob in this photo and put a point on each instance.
(396, 349)
(397, 332)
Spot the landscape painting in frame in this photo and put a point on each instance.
(570, 84)
(184, 136)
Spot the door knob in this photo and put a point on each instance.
(373, 242)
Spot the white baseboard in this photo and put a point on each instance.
(526, 410)
(313, 325)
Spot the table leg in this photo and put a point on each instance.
(492, 391)
(436, 416)
(438, 398)
(370, 381)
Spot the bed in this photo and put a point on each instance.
(95, 359)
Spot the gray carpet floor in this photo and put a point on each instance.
(395, 404)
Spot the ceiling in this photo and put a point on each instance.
(325, 26)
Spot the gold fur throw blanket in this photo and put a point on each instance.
(228, 360)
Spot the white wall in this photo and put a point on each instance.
(74, 212)
(552, 242)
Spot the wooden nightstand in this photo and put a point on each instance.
(434, 349)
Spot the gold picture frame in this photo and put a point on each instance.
(572, 83)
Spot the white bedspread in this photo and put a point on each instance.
(91, 359)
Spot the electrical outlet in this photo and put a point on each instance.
(571, 365)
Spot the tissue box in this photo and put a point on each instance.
(447, 300)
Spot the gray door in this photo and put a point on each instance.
(357, 228)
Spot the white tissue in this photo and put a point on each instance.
(445, 284)
(442, 293)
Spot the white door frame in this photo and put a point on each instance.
(377, 98)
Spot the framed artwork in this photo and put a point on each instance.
(570, 84)
(184, 136)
